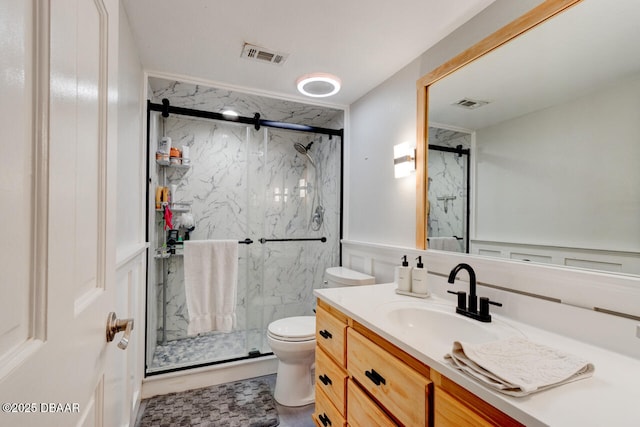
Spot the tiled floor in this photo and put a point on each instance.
(235, 404)
(292, 416)
(205, 348)
(289, 416)
(214, 347)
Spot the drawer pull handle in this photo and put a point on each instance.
(324, 420)
(325, 379)
(325, 334)
(375, 377)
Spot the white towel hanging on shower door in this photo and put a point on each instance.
(444, 244)
(210, 284)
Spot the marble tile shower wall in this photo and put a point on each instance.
(291, 270)
(206, 98)
(216, 186)
(248, 183)
(447, 178)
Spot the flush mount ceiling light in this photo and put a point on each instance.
(318, 85)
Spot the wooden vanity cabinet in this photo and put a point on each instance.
(399, 389)
(363, 380)
(455, 406)
(331, 329)
(330, 371)
(450, 412)
(331, 379)
(363, 411)
(326, 414)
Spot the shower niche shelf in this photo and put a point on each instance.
(166, 239)
(168, 164)
(181, 206)
(168, 252)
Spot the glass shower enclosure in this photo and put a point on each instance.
(448, 190)
(277, 192)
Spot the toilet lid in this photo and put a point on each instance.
(346, 276)
(299, 328)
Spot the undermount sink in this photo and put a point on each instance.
(438, 324)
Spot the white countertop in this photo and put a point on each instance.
(609, 398)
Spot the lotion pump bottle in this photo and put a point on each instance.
(403, 276)
(419, 279)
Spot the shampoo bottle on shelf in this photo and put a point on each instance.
(419, 279)
(403, 276)
(158, 197)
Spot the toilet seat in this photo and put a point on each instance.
(293, 329)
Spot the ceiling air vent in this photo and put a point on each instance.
(261, 54)
(470, 104)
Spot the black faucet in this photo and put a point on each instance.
(473, 301)
(471, 309)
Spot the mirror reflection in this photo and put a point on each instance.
(553, 120)
(447, 190)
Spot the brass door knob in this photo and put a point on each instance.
(115, 325)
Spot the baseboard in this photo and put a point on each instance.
(208, 376)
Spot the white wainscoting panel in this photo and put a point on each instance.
(592, 259)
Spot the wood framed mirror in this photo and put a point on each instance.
(552, 134)
(528, 21)
(552, 144)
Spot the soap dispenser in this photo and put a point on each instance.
(403, 276)
(419, 279)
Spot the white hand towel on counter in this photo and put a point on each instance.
(516, 366)
(210, 284)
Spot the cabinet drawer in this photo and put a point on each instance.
(326, 414)
(363, 411)
(331, 379)
(398, 388)
(449, 412)
(330, 334)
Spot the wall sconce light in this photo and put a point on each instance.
(404, 159)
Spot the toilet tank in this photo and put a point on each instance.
(336, 277)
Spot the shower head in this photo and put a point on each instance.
(300, 148)
(317, 216)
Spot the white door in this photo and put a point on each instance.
(58, 61)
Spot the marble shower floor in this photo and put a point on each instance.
(205, 348)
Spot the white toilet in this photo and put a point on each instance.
(337, 277)
(293, 341)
